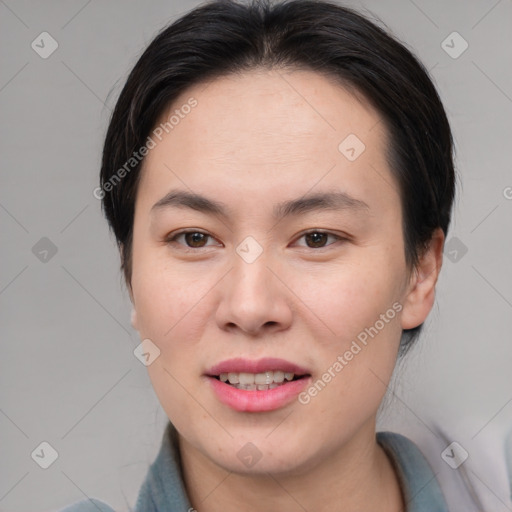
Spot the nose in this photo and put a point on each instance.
(254, 299)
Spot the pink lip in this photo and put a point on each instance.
(239, 364)
(256, 401)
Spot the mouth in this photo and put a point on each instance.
(257, 386)
(264, 381)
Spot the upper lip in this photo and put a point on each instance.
(239, 365)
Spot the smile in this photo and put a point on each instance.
(258, 381)
(257, 386)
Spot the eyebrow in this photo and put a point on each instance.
(308, 203)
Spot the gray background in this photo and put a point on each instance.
(68, 373)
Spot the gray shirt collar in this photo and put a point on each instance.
(163, 489)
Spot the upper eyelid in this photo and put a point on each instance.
(172, 236)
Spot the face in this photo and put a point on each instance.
(299, 268)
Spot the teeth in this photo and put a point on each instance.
(233, 378)
(264, 378)
(262, 381)
(279, 376)
(259, 387)
(246, 378)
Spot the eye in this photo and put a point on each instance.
(193, 239)
(315, 239)
(318, 238)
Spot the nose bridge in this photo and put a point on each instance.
(254, 297)
(251, 258)
(251, 279)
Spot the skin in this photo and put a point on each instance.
(254, 140)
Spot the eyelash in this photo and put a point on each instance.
(174, 236)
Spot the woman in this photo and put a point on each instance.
(279, 179)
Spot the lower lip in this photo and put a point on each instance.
(258, 401)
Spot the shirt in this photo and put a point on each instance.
(163, 489)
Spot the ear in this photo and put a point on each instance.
(421, 288)
(133, 319)
(133, 315)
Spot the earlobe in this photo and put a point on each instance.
(421, 289)
(133, 315)
(133, 318)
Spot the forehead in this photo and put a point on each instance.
(269, 131)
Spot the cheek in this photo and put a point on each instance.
(174, 307)
(167, 296)
(349, 298)
(358, 319)
(172, 315)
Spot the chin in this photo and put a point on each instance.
(263, 467)
(260, 457)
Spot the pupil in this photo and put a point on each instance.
(315, 238)
(195, 237)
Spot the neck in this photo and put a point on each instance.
(358, 476)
